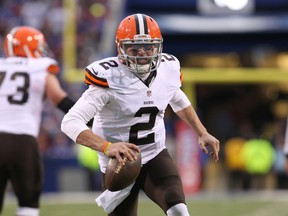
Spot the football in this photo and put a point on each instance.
(118, 177)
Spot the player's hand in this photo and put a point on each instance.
(121, 150)
(213, 143)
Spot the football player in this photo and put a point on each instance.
(128, 95)
(26, 78)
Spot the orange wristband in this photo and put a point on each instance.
(105, 147)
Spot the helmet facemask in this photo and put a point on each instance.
(140, 64)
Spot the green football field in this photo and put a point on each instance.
(216, 204)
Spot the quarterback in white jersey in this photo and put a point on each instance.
(27, 77)
(128, 110)
(127, 97)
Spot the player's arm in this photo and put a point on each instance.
(74, 126)
(93, 141)
(56, 94)
(183, 108)
(54, 91)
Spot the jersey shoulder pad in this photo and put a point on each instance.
(98, 72)
(170, 64)
(170, 60)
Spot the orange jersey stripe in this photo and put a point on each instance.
(55, 69)
(92, 79)
(87, 82)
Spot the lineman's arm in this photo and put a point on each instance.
(56, 94)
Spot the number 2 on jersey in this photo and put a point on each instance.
(150, 138)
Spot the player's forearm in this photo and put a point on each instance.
(91, 140)
(75, 121)
(81, 134)
(189, 115)
(72, 125)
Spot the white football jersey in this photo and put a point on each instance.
(22, 90)
(124, 107)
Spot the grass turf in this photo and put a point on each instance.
(202, 206)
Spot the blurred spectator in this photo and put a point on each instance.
(258, 157)
(281, 176)
(233, 150)
(32, 12)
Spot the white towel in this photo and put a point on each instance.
(109, 200)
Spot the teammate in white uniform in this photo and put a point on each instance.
(26, 78)
(127, 97)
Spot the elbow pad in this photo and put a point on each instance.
(65, 104)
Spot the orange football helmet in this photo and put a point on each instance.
(139, 31)
(25, 41)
